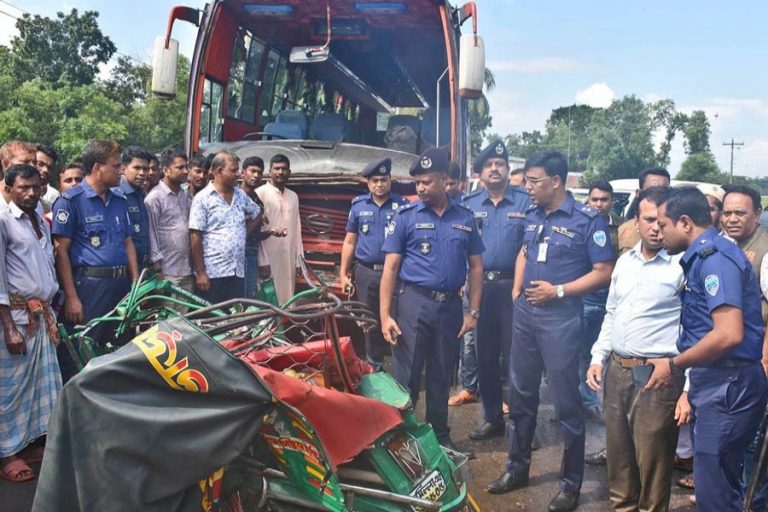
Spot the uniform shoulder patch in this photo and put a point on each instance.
(405, 208)
(118, 193)
(586, 210)
(712, 284)
(72, 193)
(62, 216)
(472, 194)
(465, 207)
(359, 198)
(530, 208)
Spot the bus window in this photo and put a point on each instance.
(243, 78)
(211, 121)
(267, 87)
(281, 88)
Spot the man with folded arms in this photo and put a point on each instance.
(642, 321)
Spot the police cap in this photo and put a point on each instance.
(496, 149)
(432, 160)
(382, 167)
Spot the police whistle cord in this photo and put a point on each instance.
(760, 466)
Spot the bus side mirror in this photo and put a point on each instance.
(471, 66)
(309, 54)
(164, 63)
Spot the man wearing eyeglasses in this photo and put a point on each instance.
(566, 253)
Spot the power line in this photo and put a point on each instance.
(733, 145)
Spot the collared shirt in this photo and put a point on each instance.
(501, 226)
(169, 229)
(718, 273)
(223, 228)
(434, 249)
(370, 221)
(564, 245)
(50, 197)
(27, 268)
(97, 229)
(642, 314)
(139, 217)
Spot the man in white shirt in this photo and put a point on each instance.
(46, 161)
(281, 207)
(642, 322)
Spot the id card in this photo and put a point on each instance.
(542, 256)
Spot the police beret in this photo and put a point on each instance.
(496, 149)
(380, 167)
(432, 160)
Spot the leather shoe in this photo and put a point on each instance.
(467, 453)
(507, 482)
(564, 502)
(597, 458)
(487, 431)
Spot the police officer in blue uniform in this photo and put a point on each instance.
(566, 253)
(499, 210)
(721, 342)
(370, 216)
(429, 246)
(95, 255)
(135, 162)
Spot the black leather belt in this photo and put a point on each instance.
(105, 272)
(730, 362)
(498, 275)
(435, 295)
(378, 267)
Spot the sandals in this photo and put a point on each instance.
(17, 471)
(462, 397)
(687, 482)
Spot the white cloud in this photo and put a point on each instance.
(597, 95)
(536, 66)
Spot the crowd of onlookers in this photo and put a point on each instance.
(209, 224)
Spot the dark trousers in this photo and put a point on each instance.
(430, 333)
(494, 336)
(728, 404)
(546, 337)
(367, 282)
(224, 288)
(98, 297)
(641, 435)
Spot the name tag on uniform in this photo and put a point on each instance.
(515, 215)
(542, 256)
(133, 209)
(425, 225)
(563, 231)
(481, 215)
(365, 214)
(462, 228)
(531, 227)
(94, 218)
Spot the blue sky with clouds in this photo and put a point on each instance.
(702, 54)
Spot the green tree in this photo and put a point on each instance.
(696, 130)
(701, 167)
(68, 49)
(128, 82)
(480, 116)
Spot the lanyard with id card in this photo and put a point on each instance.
(541, 256)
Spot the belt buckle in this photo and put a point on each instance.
(439, 296)
(492, 275)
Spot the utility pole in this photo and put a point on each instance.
(732, 144)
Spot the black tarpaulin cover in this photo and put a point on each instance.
(138, 428)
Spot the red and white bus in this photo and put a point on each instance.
(332, 85)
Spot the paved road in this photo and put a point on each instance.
(491, 456)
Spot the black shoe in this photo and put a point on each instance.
(467, 453)
(564, 502)
(594, 413)
(487, 431)
(507, 482)
(596, 459)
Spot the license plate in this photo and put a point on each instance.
(431, 488)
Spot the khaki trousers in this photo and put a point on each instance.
(641, 435)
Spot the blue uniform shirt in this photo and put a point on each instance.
(369, 221)
(434, 249)
(98, 230)
(717, 272)
(501, 227)
(564, 245)
(137, 214)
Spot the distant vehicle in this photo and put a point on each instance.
(764, 219)
(625, 191)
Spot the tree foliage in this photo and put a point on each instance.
(66, 106)
(66, 50)
(480, 116)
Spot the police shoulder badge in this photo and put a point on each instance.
(600, 238)
(425, 248)
(712, 284)
(62, 216)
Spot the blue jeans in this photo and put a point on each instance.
(251, 271)
(592, 321)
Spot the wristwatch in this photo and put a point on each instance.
(560, 291)
(474, 313)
